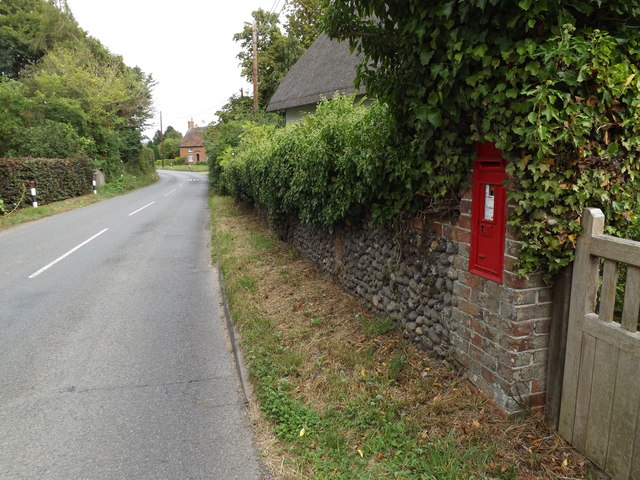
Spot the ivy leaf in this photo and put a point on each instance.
(421, 112)
(525, 4)
(435, 118)
(447, 9)
(480, 50)
(426, 56)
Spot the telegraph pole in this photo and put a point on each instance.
(255, 68)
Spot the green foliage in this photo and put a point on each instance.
(276, 53)
(332, 167)
(236, 116)
(276, 401)
(304, 20)
(237, 108)
(48, 139)
(55, 179)
(554, 84)
(170, 147)
(28, 28)
(147, 159)
(166, 145)
(62, 93)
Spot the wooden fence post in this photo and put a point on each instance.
(557, 345)
(584, 287)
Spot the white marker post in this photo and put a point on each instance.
(95, 189)
(34, 198)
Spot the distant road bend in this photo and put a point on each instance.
(113, 361)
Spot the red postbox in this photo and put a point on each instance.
(488, 214)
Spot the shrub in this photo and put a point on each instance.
(56, 179)
(340, 164)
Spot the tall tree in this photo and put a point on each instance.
(171, 132)
(28, 29)
(276, 53)
(62, 92)
(304, 20)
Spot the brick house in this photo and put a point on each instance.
(192, 145)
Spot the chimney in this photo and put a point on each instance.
(190, 123)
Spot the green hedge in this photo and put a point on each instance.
(337, 165)
(56, 179)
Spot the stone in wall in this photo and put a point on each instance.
(314, 244)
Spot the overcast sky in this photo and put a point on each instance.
(186, 45)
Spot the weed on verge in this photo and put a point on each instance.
(345, 397)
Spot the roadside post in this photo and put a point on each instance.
(34, 198)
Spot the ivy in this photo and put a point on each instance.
(554, 84)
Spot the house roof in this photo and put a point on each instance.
(325, 68)
(193, 137)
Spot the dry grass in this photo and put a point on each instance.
(335, 359)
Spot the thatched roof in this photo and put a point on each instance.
(325, 68)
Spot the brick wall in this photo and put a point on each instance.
(195, 151)
(502, 333)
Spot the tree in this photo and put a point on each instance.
(276, 53)
(171, 132)
(170, 148)
(304, 20)
(49, 139)
(13, 102)
(236, 108)
(28, 29)
(154, 148)
(62, 92)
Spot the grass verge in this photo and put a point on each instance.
(202, 168)
(342, 396)
(111, 189)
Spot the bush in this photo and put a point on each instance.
(336, 165)
(56, 179)
(147, 159)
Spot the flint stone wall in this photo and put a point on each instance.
(408, 279)
(419, 277)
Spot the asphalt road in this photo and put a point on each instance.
(114, 361)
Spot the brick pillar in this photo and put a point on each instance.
(501, 331)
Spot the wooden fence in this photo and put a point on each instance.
(601, 388)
